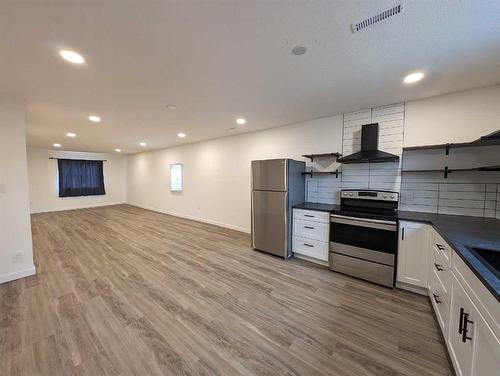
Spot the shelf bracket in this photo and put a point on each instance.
(446, 172)
(447, 149)
(337, 173)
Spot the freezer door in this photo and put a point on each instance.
(269, 175)
(270, 222)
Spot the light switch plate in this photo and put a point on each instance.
(3, 188)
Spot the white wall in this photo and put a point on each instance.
(457, 117)
(16, 250)
(217, 172)
(44, 181)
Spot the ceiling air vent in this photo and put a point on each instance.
(355, 27)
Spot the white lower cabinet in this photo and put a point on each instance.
(474, 348)
(486, 360)
(413, 253)
(311, 233)
(310, 247)
(463, 318)
(467, 313)
(440, 300)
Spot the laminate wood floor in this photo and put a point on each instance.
(126, 291)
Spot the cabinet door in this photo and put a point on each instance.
(486, 350)
(463, 317)
(413, 254)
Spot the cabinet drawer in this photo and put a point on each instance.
(440, 300)
(441, 245)
(311, 248)
(311, 230)
(311, 215)
(441, 268)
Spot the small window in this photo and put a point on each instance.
(80, 178)
(176, 177)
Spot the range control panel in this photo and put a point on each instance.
(369, 195)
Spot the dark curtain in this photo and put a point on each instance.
(80, 178)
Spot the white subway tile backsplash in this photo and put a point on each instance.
(389, 109)
(466, 187)
(491, 188)
(419, 208)
(461, 195)
(388, 117)
(489, 213)
(352, 116)
(490, 205)
(419, 186)
(461, 203)
(461, 211)
(491, 196)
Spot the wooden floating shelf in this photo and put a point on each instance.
(323, 155)
(447, 170)
(312, 173)
(489, 140)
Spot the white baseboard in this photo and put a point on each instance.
(49, 210)
(408, 287)
(312, 259)
(193, 218)
(16, 275)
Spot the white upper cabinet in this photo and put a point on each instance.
(413, 254)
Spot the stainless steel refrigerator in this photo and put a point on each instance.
(277, 185)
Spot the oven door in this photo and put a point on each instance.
(369, 239)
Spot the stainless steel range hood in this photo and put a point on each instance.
(369, 148)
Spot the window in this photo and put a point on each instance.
(79, 177)
(176, 177)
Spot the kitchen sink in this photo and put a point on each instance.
(489, 257)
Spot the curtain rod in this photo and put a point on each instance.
(97, 160)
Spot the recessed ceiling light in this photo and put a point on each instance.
(142, 143)
(94, 118)
(118, 150)
(56, 145)
(241, 121)
(299, 50)
(181, 135)
(70, 134)
(171, 107)
(413, 77)
(72, 57)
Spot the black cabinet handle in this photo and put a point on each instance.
(309, 227)
(438, 267)
(460, 321)
(309, 245)
(465, 328)
(440, 247)
(436, 298)
(403, 233)
(309, 215)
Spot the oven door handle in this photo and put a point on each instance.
(364, 222)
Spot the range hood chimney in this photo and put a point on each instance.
(369, 148)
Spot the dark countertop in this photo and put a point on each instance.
(317, 206)
(461, 232)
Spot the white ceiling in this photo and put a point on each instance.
(217, 60)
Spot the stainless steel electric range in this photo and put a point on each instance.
(363, 235)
